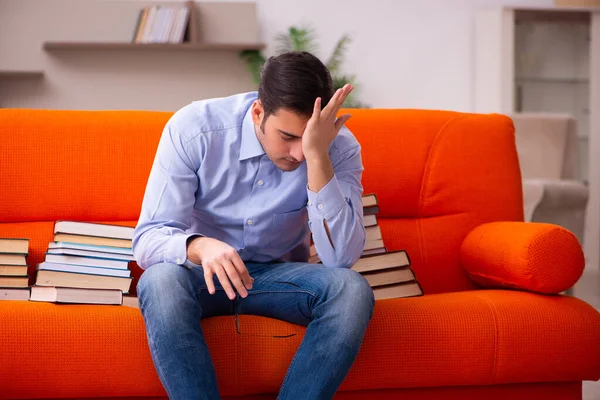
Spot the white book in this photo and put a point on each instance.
(91, 253)
(94, 229)
(14, 293)
(87, 261)
(76, 295)
(82, 269)
(91, 247)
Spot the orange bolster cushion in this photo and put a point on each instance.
(536, 257)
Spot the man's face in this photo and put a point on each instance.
(280, 135)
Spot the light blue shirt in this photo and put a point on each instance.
(211, 177)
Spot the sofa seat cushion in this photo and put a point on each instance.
(454, 339)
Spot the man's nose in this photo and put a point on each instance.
(296, 151)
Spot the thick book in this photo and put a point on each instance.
(13, 270)
(370, 204)
(97, 241)
(88, 261)
(13, 259)
(393, 259)
(88, 253)
(114, 251)
(56, 294)
(375, 245)
(86, 281)
(369, 220)
(14, 293)
(94, 229)
(373, 233)
(389, 276)
(14, 246)
(14, 281)
(82, 269)
(398, 290)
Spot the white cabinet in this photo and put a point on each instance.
(546, 60)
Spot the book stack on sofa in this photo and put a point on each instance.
(14, 281)
(388, 273)
(86, 263)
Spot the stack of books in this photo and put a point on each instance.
(162, 24)
(388, 273)
(86, 263)
(14, 280)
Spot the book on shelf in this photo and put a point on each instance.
(57, 294)
(162, 24)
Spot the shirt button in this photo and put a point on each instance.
(320, 206)
(179, 261)
(260, 183)
(309, 203)
(250, 222)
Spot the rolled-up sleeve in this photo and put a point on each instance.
(160, 235)
(339, 205)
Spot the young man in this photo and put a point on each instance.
(237, 186)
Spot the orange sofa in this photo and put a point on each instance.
(492, 323)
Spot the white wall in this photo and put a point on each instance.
(405, 54)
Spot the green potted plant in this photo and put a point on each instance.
(303, 39)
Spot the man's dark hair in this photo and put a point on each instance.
(293, 81)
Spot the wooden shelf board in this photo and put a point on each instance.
(151, 46)
(16, 74)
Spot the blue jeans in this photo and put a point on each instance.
(335, 304)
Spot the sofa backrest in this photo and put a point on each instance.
(437, 174)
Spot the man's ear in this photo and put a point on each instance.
(258, 112)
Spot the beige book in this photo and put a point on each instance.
(409, 289)
(76, 295)
(14, 293)
(373, 233)
(369, 220)
(13, 270)
(389, 276)
(86, 281)
(14, 281)
(13, 259)
(97, 241)
(94, 229)
(382, 261)
(15, 246)
(369, 200)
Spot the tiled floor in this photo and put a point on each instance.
(588, 289)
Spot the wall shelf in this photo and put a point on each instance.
(16, 74)
(52, 46)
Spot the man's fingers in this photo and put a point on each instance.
(208, 278)
(220, 271)
(234, 277)
(341, 121)
(242, 270)
(317, 108)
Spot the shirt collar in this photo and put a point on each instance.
(250, 146)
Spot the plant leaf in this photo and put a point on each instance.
(339, 53)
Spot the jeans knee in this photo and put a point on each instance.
(162, 282)
(357, 292)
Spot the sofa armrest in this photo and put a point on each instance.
(536, 257)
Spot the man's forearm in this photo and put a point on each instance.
(319, 171)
